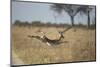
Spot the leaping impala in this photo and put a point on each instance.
(51, 42)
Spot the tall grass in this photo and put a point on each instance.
(80, 46)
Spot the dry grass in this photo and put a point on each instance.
(80, 46)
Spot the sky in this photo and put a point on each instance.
(29, 11)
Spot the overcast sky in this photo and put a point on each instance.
(29, 11)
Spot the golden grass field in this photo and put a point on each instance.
(81, 45)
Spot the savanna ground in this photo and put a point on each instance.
(81, 45)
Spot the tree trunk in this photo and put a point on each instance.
(88, 19)
(72, 20)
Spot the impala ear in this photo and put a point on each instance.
(60, 32)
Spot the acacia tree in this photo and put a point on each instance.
(86, 10)
(71, 10)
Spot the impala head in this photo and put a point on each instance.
(43, 34)
(61, 34)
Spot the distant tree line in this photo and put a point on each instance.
(48, 24)
(38, 23)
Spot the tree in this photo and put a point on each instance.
(86, 10)
(71, 10)
(17, 22)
